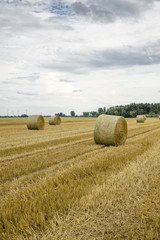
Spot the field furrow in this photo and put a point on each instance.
(125, 206)
(62, 140)
(43, 160)
(37, 161)
(45, 144)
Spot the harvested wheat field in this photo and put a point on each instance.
(57, 184)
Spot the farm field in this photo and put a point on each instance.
(57, 184)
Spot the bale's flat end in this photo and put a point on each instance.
(55, 120)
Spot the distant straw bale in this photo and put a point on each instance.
(110, 130)
(55, 120)
(35, 122)
(140, 119)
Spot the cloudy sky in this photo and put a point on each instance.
(63, 55)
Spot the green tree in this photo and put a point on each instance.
(100, 110)
(133, 114)
(72, 113)
(134, 109)
(123, 112)
(85, 114)
(152, 114)
(116, 113)
(94, 113)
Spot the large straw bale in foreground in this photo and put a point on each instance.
(110, 130)
(140, 118)
(55, 120)
(35, 122)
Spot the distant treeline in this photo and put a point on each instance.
(129, 111)
(134, 109)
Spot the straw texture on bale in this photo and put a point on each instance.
(144, 117)
(140, 119)
(55, 120)
(35, 122)
(110, 130)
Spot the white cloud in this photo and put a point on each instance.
(54, 60)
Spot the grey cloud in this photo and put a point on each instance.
(77, 91)
(123, 58)
(65, 80)
(20, 78)
(12, 80)
(109, 11)
(80, 9)
(31, 78)
(92, 11)
(102, 14)
(35, 73)
(27, 93)
(19, 21)
(8, 82)
(126, 57)
(58, 23)
(64, 28)
(14, 2)
(72, 65)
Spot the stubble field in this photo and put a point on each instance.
(57, 184)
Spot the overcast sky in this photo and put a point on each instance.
(63, 55)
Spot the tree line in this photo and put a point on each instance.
(128, 111)
(133, 109)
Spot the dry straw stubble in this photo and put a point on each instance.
(35, 122)
(110, 130)
(55, 120)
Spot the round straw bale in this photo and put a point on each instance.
(110, 130)
(35, 122)
(140, 119)
(55, 120)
